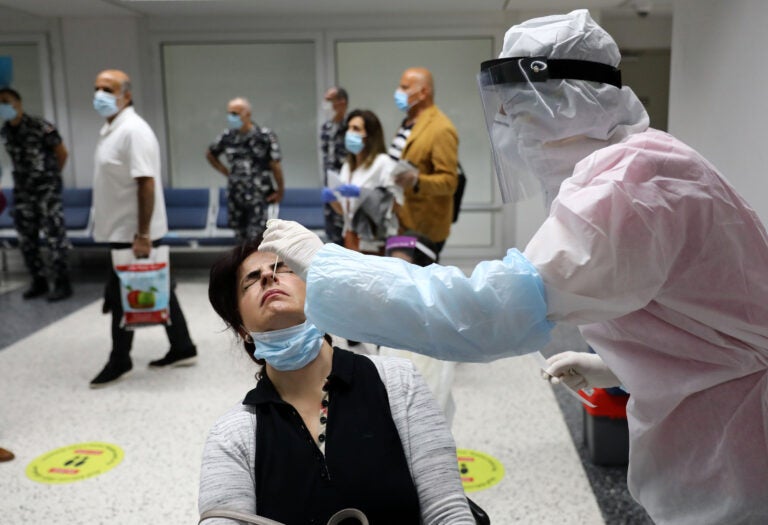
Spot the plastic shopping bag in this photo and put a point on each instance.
(145, 287)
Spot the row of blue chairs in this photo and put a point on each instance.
(196, 216)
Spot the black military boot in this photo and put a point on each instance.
(61, 290)
(38, 287)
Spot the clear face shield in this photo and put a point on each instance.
(526, 112)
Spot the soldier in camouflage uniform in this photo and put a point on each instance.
(332, 147)
(253, 155)
(38, 157)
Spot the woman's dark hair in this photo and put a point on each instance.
(374, 138)
(222, 289)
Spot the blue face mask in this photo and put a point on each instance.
(401, 100)
(290, 348)
(353, 142)
(105, 104)
(7, 112)
(234, 121)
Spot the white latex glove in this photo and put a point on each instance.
(292, 243)
(579, 370)
(407, 179)
(405, 174)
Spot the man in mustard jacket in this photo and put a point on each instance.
(428, 140)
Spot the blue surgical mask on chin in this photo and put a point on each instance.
(401, 100)
(7, 112)
(105, 104)
(353, 142)
(234, 121)
(290, 348)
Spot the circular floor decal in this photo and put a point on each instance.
(74, 462)
(478, 471)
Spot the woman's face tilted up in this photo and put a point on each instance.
(269, 298)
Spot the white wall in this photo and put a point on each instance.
(634, 32)
(278, 78)
(89, 46)
(478, 234)
(12, 21)
(80, 47)
(26, 79)
(17, 28)
(717, 90)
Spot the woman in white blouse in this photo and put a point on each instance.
(367, 195)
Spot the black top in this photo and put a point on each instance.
(364, 466)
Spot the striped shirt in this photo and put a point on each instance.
(395, 150)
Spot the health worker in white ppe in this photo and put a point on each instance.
(647, 248)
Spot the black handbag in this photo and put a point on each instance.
(253, 519)
(481, 518)
(458, 195)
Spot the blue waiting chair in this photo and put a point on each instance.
(187, 210)
(305, 206)
(78, 215)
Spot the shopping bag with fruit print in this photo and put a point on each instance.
(145, 287)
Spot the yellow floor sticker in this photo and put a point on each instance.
(74, 463)
(478, 471)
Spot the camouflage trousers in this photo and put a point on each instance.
(248, 219)
(38, 210)
(247, 207)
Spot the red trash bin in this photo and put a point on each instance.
(606, 434)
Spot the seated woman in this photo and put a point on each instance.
(324, 429)
(368, 194)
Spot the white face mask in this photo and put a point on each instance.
(290, 348)
(328, 111)
(401, 100)
(105, 104)
(7, 112)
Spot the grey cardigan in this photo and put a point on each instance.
(227, 477)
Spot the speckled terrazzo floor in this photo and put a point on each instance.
(160, 419)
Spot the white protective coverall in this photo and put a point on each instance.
(647, 248)
(662, 265)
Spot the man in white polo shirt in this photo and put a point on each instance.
(129, 212)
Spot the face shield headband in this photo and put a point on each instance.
(408, 246)
(522, 97)
(541, 69)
